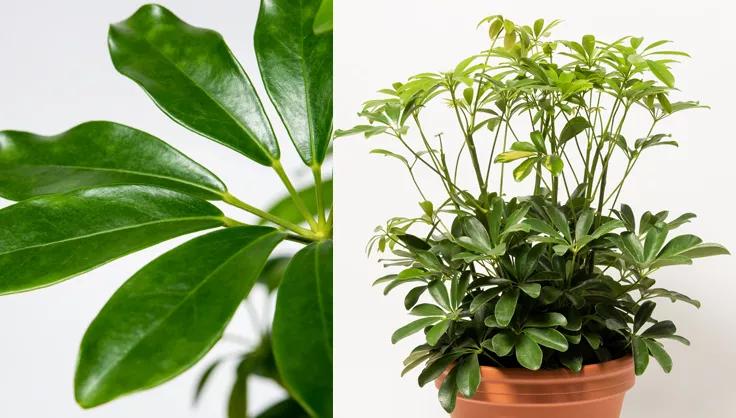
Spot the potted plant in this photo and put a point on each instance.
(541, 304)
(103, 190)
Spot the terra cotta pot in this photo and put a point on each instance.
(596, 392)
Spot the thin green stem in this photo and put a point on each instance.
(298, 202)
(319, 195)
(234, 201)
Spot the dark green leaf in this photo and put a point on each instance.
(660, 329)
(448, 391)
(551, 319)
(435, 369)
(296, 68)
(660, 354)
(303, 321)
(506, 306)
(468, 376)
(528, 353)
(641, 354)
(502, 343)
(169, 314)
(547, 337)
(97, 154)
(412, 328)
(573, 127)
(237, 404)
(51, 238)
(273, 272)
(193, 77)
(643, 314)
(437, 331)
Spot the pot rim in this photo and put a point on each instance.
(622, 364)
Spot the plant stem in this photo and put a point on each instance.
(298, 203)
(319, 195)
(232, 200)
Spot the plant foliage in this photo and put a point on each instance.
(103, 190)
(561, 277)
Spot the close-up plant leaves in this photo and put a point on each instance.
(103, 190)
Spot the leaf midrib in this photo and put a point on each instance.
(124, 171)
(188, 296)
(111, 231)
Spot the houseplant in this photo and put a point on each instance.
(541, 304)
(103, 190)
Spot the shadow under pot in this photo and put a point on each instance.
(597, 391)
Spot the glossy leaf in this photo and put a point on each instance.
(573, 127)
(641, 355)
(303, 322)
(658, 352)
(468, 376)
(323, 18)
(52, 238)
(448, 391)
(169, 314)
(97, 154)
(528, 353)
(547, 337)
(506, 306)
(296, 68)
(194, 78)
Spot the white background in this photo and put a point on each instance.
(55, 72)
(383, 41)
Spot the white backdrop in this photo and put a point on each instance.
(383, 41)
(55, 72)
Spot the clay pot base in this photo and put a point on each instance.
(596, 392)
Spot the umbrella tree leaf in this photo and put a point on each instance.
(169, 314)
(97, 154)
(51, 238)
(194, 78)
(296, 68)
(303, 319)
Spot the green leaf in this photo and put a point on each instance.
(690, 246)
(169, 314)
(296, 68)
(554, 164)
(583, 224)
(662, 73)
(509, 156)
(483, 298)
(323, 18)
(660, 354)
(439, 293)
(660, 329)
(194, 78)
(531, 289)
(435, 369)
(286, 210)
(427, 309)
(303, 321)
(468, 376)
(286, 408)
(528, 353)
(412, 328)
(437, 331)
(572, 361)
(506, 306)
(524, 169)
(448, 391)
(643, 314)
(573, 127)
(97, 154)
(641, 354)
(502, 343)
(550, 319)
(547, 337)
(52, 238)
